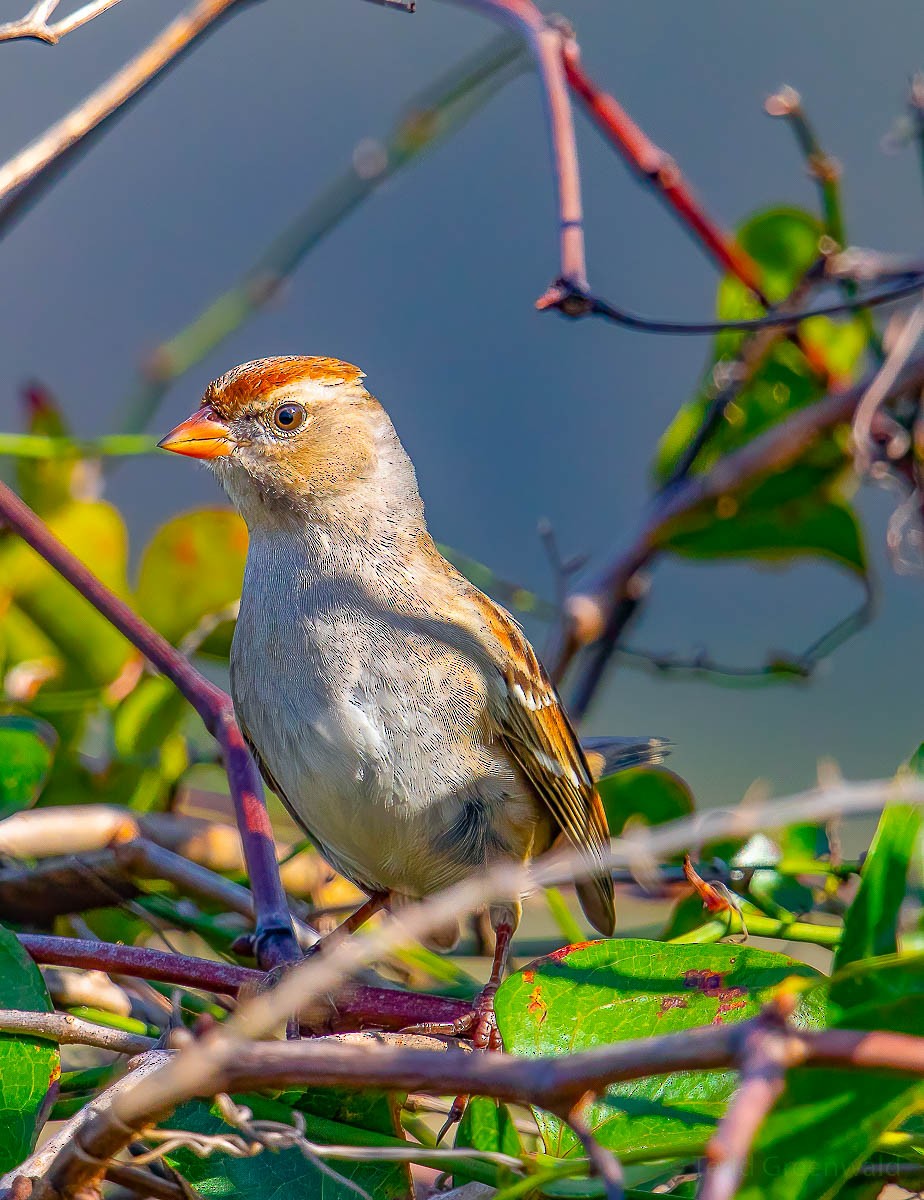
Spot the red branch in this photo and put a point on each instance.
(355, 1008)
(657, 168)
(275, 937)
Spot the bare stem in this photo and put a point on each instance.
(35, 24)
(233, 1066)
(589, 610)
(26, 166)
(545, 43)
(67, 1030)
(355, 1007)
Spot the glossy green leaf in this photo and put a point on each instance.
(27, 748)
(28, 1067)
(91, 651)
(827, 1122)
(871, 924)
(192, 569)
(613, 991)
(648, 795)
(286, 1173)
(488, 1125)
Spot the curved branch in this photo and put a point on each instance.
(355, 1008)
(544, 40)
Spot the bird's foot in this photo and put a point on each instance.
(479, 1024)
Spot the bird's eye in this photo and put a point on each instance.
(288, 418)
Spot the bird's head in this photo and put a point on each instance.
(286, 436)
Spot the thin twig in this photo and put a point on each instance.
(219, 1062)
(655, 167)
(69, 1030)
(430, 115)
(26, 166)
(145, 1183)
(356, 1007)
(545, 40)
(765, 1057)
(48, 1155)
(882, 385)
(35, 24)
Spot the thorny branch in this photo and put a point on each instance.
(222, 1063)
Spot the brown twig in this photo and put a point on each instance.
(36, 24)
(145, 1183)
(655, 167)
(29, 164)
(68, 1030)
(589, 609)
(882, 385)
(275, 937)
(46, 1157)
(764, 1060)
(224, 1064)
(42, 833)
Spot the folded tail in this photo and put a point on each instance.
(607, 755)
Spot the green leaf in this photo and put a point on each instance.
(828, 1122)
(48, 484)
(812, 525)
(871, 924)
(27, 748)
(91, 651)
(286, 1173)
(192, 569)
(784, 242)
(28, 1066)
(489, 1125)
(647, 795)
(613, 991)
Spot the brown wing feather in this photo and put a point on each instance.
(536, 731)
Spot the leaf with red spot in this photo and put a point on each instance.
(586, 996)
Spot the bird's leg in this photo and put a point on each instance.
(481, 1022)
(484, 1029)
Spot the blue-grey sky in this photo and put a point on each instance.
(508, 414)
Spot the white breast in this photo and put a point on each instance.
(365, 726)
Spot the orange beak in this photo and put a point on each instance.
(203, 435)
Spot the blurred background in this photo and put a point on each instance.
(509, 415)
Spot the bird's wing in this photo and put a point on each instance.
(533, 726)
